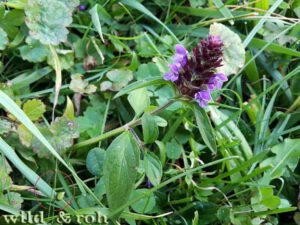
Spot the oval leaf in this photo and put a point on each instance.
(205, 128)
(153, 168)
(120, 170)
(95, 161)
(150, 128)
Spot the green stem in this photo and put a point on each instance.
(294, 106)
(119, 130)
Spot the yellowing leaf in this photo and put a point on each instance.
(34, 109)
(81, 86)
(25, 135)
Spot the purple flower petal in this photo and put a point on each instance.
(180, 59)
(180, 49)
(175, 67)
(215, 40)
(171, 76)
(203, 97)
(202, 103)
(221, 77)
(82, 7)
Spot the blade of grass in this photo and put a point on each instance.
(15, 110)
(58, 79)
(138, 6)
(33, 178)
(225, 11)
(261, 22)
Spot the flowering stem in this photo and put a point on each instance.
(121, 129)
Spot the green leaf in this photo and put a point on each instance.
(120, 170)
(25, 135)
(287, 155)
(5, 126)
(10, 21)
(140, 84)
(3, 39)
(92, 119)
(34, 51)
(95, 161)
(205, 128)
(96, 20)
(34, 109)
(139, 100)
(61, 135)
(66, 59)
(14, 199)
(69, 111)
(147, 70)
(146, 203)
(47, 20)
(150, 128)
(173, 150)
(5, 180)
(263, 4)
(234, 52)
(118, 79)
(196, 218)
(153, 168)
(81, 86)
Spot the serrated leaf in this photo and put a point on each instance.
(150, 128)
(47, 20)
(14, 199)
(234, 52)
(287, 155)
(139, 100)
(5, 180)
(81, 86)
(34, 51)
(95, 161)
(61, 135)
(120, 170)
(3, 39)
(153, 168)
(34, 109)
(92, 119)
(64, 131)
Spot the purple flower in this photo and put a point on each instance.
(216, 81)
(179, 61)
(148, 183)
(82, 7)
(215, 40)
(203, 97)
(196, 76)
